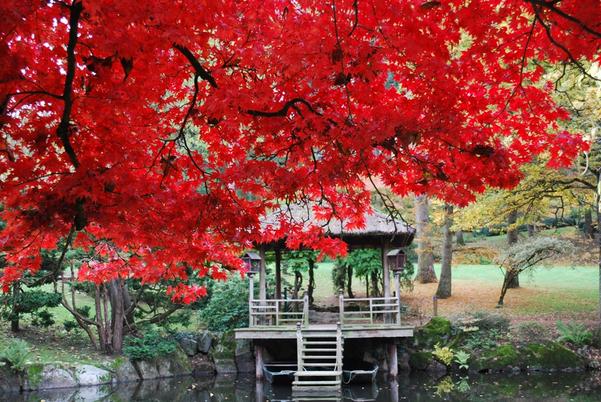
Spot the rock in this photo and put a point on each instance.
(245, 360)
(188, 344)
(9, 380)
(437, 331)
(204, 342)
(420, 360)
(176, 364)
(225, 365)
(552, 355)
(202, 366)
(502, 358)
(436, 368)
(91, 375)
(147, 369)
(124, 370)
(55, 376)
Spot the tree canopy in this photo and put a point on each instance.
(157, 133)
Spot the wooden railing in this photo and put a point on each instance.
(278, 312)
(370, 310)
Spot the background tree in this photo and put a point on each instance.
(527, 255)
(423, 238)
(444, 289)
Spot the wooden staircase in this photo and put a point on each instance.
(319, 359)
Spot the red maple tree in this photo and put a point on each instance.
(159, 132)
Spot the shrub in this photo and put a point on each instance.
(70, 325)
(574, 333)
(227, 307)
(487, 321)
(443, 354)
(148, 347)
(16, 354)
(531, 332)
(43, 319)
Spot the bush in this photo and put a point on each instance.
(148, 347)
(444, 354)
(227, 307)
(70, 325)
(43, 319)
(574, 333)
(531, 332)
(16, 354)
(487, 322)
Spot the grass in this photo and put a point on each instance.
(548, 291)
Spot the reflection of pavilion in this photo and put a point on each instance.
(373, 318)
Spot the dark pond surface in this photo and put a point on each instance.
(532, 387)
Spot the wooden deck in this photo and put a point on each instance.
(349, 331)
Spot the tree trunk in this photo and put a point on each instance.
(375, 292)
(349, 282)
(444, 285)
(116, 293)
(531, 231)
(598, 234)
(459, 238)
(512, 238)
(587, 227)
(298, 282)
(367, 283)
(278, 273)
(425, 259)
(509, 276)
(311, 285)
(14, 316)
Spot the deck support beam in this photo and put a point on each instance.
(393, 363)
(258, 362)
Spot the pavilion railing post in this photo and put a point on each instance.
(251, 290)
(341, 306)
(299, 347)
(306, 309)
(397, 289)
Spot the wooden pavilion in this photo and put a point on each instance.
(374, 318)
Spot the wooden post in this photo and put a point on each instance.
(278, 273)
(386, 275)
(435, 305)
(393, 362)
(251, 293)
(262, 279)
(299, 347)
(306, 309)
(397, 290)
(341, 305)
(394, 390)
(258, 362)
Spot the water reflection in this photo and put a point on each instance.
(558, 386)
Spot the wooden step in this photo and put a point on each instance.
(313, 357)
(317, 382)
(319, 343)
(317, 373)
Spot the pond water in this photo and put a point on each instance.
(532, 387)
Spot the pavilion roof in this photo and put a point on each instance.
(379, 229)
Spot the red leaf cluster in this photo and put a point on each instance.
(168, 128)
